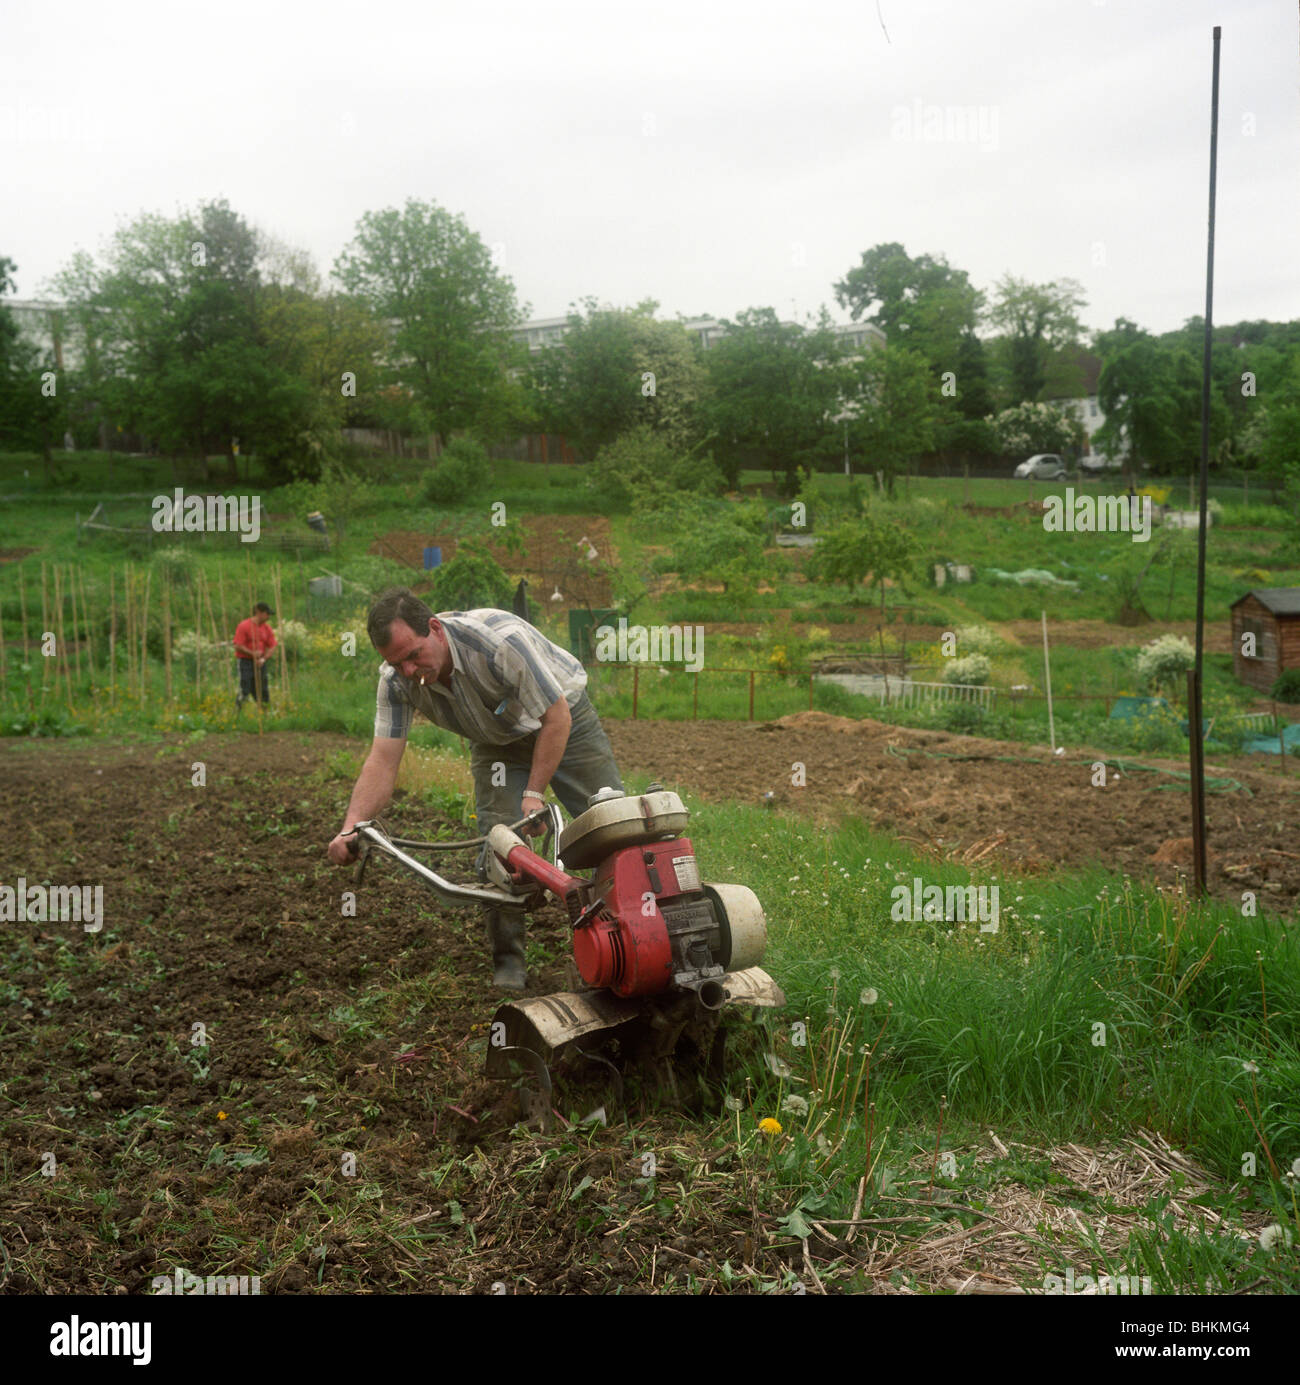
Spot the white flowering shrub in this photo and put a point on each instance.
(294, 635)
(1028, 429)
(974, 670)
(1164, 661)
(175, 565)
(190, 648)
(977, 639)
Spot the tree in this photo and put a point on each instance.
(423, 271)
(325, 340)
(974, 392)
(473, 578)
(1151, 395)
(641, 469)
(1028, 429)
(774, 395)
(618, 369)
(33, 396)
(893, 406)
(1274, 434)
(1249, 364)
(173, 330)
(922, 303)
(872, 545)
(720, 547)
(1035, 318)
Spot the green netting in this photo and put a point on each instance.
(1031, 577)
(1268, 745)
(1128, 707)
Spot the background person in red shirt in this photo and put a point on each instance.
(254, 641)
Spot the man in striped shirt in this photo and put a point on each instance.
(518, 699)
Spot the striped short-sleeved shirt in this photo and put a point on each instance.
(505, 674)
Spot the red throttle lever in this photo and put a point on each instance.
(533, 867)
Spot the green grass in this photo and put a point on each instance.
(1098, 1007)
(332, 693)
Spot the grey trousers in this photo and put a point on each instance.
(588, 765)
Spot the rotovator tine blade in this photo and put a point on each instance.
(656, 1035)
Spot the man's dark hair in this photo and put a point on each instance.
(399, 603)
(262, 606)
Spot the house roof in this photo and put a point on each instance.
(1282, 601)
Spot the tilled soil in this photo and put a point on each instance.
(963, 795)
(319, 1130)
(554, 556)
(235, 1076)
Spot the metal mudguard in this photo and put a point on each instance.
(753, 986)
(545, 1024)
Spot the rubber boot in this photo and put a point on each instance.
(506, 931)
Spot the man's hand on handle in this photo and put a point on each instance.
(532, 802)
(370, 796)
(343, 849)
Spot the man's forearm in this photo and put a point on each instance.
(371, 793)
(547, 754)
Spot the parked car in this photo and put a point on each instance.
(1043, 466)
(1097, 462)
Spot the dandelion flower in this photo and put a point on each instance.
(733, 1103)
(795, 1105)
(779, 1067)
(868, 997)
(769, 1126)
(221, 1115)
(1248, 1066)
(1271, 1235)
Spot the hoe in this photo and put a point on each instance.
(657, 954)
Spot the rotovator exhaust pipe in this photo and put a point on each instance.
(657, 949)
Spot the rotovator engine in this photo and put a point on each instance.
(657, 954)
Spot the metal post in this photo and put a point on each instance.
(1195, 733)
(1047, 671)
(1198, 778)
(751, 694)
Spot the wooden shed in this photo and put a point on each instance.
(1272, 616)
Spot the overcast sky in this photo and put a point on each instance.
(713, 156)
